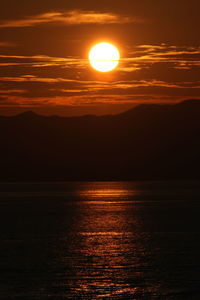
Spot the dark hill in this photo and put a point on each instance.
(146, 142)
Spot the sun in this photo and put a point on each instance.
(104, 57)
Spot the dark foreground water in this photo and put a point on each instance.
(100, 240)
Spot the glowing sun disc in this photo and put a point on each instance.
(104, 57)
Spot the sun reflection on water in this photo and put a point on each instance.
(101, 192)
(109, 247)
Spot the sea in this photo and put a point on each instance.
(100, 240)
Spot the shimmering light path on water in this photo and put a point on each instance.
(100, 240)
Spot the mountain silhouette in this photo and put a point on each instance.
(146, 142)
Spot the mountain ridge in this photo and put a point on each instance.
(30, 113)
(145, 143)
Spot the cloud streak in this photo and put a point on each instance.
(73, 17)
(148, 73)
(180, 57)
(7, 44)
(140, 58)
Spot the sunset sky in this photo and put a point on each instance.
(44, 49)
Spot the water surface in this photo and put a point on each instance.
(100, 240)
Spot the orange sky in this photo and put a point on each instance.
(44, 48)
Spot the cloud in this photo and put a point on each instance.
(88, 87)
(176, 57)
(161, 60)
(85, 100)
(42, 61)
(73, 17)
(148, 73)
(140, 58)
(7, 44)
(8, 92)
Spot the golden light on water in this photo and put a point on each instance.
(104, 57)
(103, 226)
(104, 193)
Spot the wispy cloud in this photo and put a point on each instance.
(9, 92)
(139, 58)
(148, 73)
(85, 100)
(89, 86)
(73, 17)
(40, 61)
(178, 57)
(7, 44)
